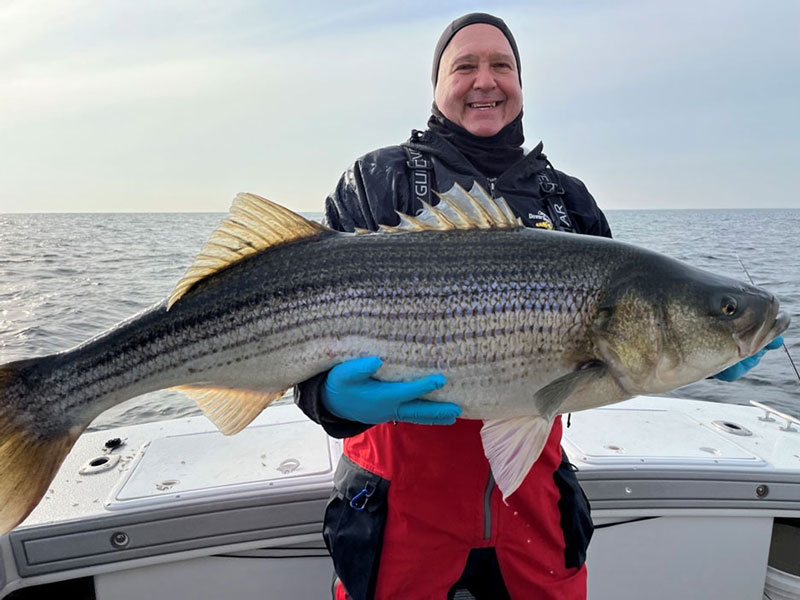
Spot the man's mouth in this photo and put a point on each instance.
(483, 105)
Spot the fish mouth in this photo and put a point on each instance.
(763, 336)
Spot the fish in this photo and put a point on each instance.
(524, 324)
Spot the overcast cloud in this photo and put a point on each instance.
(173, 106)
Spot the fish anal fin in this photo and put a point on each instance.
(254, 225)
(230, 409)
(512, 446)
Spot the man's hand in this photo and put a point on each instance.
(734, 372)
(351, 393)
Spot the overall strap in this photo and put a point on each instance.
(421, 174)
(553, 197)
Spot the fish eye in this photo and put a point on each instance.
(728, 306)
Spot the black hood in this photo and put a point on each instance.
(471, 19)
(492, 155)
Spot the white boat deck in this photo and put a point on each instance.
(156, 513)
(184, 460)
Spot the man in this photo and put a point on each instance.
(415, 513)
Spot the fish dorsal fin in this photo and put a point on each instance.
(460, 209)
(255, 224)
(231, 410)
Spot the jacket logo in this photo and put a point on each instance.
(547, 186)
(541, 220)
(562, 213)
(419, 173)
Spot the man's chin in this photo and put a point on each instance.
(483, 128)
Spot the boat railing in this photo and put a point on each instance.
(769, 411)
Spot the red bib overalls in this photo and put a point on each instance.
(441, 503)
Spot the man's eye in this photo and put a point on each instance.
(463, 67)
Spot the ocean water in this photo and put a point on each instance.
(67, 277)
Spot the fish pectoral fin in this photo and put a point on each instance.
(550, 399)
(230, 409)
(512, 446)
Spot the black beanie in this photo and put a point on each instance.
(462, 22)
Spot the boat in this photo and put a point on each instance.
(690, 499)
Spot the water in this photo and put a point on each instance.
(67, 277)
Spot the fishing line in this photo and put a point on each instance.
(789, 356)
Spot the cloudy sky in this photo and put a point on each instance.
(177, 105)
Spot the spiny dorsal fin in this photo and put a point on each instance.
(460, 209)
(254, 225)
(231, 410)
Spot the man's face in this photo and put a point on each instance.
(478, 85)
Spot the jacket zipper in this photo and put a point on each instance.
(491, 186)
(487, 507)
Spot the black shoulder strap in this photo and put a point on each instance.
(552, 192)
(421, 174)
(553, 197)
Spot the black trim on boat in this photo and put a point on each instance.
(604, 525)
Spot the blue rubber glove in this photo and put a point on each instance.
(734, 372)
(351, 393)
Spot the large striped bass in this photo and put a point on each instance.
(524, 324)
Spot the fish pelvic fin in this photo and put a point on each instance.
(460, 209)
(512, 446)
(231, 410)
(254, 225)
(29, 460)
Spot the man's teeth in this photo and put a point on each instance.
(483, 105)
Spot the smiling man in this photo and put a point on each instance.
(416, 513)
(478, 83)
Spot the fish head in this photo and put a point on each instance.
(666, 324)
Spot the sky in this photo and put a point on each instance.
(177, 105)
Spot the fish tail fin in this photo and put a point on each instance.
(29, 459)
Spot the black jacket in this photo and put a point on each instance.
(379, 183)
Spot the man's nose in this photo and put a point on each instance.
(484, 78)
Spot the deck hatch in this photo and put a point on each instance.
(206, 464)
(615, 436)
